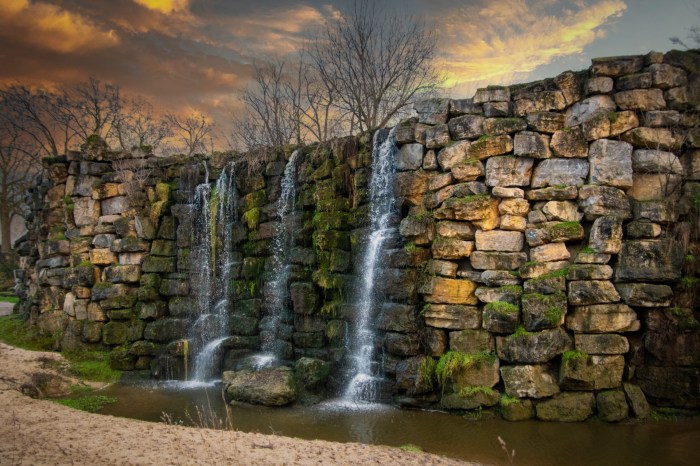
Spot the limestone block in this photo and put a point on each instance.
(505, 294)
(645, 294)
(472, 341)
(606, 235)
(496, 109)
(464, 106)
(437, 136)
(267, 387)
(666, 76)
(449, 291)
(468, 170)
(508, 171)
(544, 101)
(656, 161)
(430, 161)
(482, 260)
(498, 126)
(86, 211)
(569, 143)
(492, 94)
(529, 381)
(405, 132)
(410, 157)
(564, 211)
(102, 257)
(588, 108)
(115, 205)
(537, 269)
(513, 206)
(531, 144)
(508, 193)
(636, 400)
(400, 318)
(469, 400)
(490, 146)
(567, 407)
(605, 343)
(545, 285)
(501, 317)
(451, 248)
(643, 229)
(553, 172)
(598, 201)
(432, 111)
(610, 163)
(602, 318)
(662, 118)
(617, 66)
(513, 223)
(452, 317)
(691, 164)
(442, 267)
(476, 207)
(496, 240)
(453, 154)
(451, 229)
(553, 193)
(580, 272)
(583, 293)
(571, 85)
(549, 253)
(606, 125)
(466, 127)
(611, 406)
(533, 348)
(591, 372)
(649, 260)
(123, 273)
(499, 278)
(641, 99)
(543, 311)
(599, 85)
(652, 138)
(545, 122)
(655, 187)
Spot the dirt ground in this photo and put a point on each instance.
(41, 432)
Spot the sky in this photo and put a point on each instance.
(197, 54)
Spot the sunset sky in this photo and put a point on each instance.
(197, 53)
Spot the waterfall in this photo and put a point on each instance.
(277, 315)
(211, 254)
(364, 382)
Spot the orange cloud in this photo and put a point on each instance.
(498, 42)
(50, 27)
(164, 6)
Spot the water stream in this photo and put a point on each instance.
(275, 325)
(364, 381)
(215, 211)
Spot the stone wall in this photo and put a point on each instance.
(547, 257)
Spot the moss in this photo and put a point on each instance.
(612, 117)
(520, 332)
(552, 315)
(476, 198)
(573, 357)
(411, 447)
(565, 228)
(512, 288)
(553, 274)
(410, 247)
(454, 361)
(587, 250)
(15, 331)
(687, 283)
(426, 371)
(506, 400)
(501, 307)
(466, 392)
(92, 365)
(252, 218)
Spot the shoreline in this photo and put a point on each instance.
(39, 431)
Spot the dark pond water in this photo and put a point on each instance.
(535, 443)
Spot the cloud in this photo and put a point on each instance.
(51, 27)
(497, 42)
(164, 6)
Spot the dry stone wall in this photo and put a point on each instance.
(546, 262)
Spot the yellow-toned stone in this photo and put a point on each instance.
(450, 291)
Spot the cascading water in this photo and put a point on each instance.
(364, 382)
(215, 211)
(274, 342)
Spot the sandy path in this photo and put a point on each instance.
(40, 432)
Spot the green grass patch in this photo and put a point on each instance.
(9, 299)
(453, 361)
(520, 331)
(15, 331)
(501, 307)
(426, 371)
(411, 447)
(89, 403)
(91, 365)
(506, 400)
(573, 357)
(466, 392)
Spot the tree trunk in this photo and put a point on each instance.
(6, 231)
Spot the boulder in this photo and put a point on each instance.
(466, 127)
(271, 386)
(529, 381)
(567, 407)
(580, 371)
(610, 163)
(612, 406)
(637, 401)
(453, 154)
(432, 111)
(437, 136)
(533, 348)
(410, 157)
(588, 108)
(602, 318)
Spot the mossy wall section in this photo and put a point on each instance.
(547, 261)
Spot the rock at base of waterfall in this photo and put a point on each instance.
(268, 387)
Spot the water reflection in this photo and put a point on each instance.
(535, 443)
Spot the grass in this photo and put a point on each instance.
(573, 357)
(9, 299)
(89, 403)
(91, 365)
(507, 400)
(426, 371)
(453, 361)
(466, 392)
(411, 447)
(15, 332)
(501, 307)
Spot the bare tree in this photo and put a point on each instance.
(137, 127)
(91, 108)
(374, 63)
(193, 132)
(37, 115)
(19, 166)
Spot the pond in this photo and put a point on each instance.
(535, 443)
